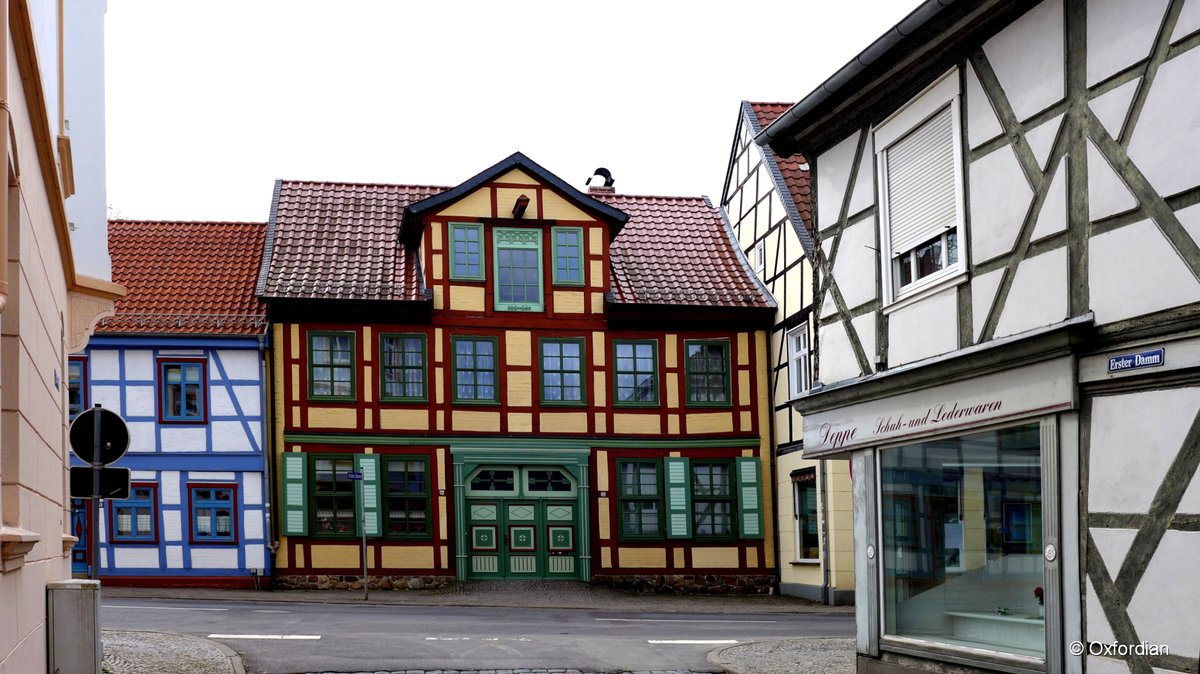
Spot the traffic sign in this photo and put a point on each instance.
(353, 475)
(114, 435)
(114, 482)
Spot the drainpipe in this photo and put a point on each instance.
(4, 150)
(265, 371)
(826, 590)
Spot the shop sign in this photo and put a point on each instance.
(1136, 361)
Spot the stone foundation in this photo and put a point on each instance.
(689, 584)
(325, 582)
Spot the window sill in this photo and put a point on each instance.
(923, 292)
(805, 562)
(15, 543)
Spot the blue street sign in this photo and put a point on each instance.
(353, 475)
(1136, 361)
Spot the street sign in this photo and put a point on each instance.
(354, 475)
(114, 482)
(114, 435)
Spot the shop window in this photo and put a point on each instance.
(808, 533)
(568, 255)
(334, 506)
(402, 368)
(182, 391)
(707, 373)
(639, 499)
(562, 371)
(466, 252)
(962, 541)
(214, 513)
(799, 376)
(518, 261)
(636, 372)
(474, 370)
(135, 519)
(407, 497)
(331, 366)
(77, 398)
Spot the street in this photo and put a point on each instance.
(286, 638)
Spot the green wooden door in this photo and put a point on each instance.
(522, 538)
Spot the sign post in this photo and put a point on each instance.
(98, 437)
(362, 524)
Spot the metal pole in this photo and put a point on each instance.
(362, 518)
(94, 525)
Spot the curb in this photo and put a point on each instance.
(714, 658)
(234, 658)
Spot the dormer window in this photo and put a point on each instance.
(518, 259)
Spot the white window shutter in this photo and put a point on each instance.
(922, 201)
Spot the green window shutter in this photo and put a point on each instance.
(750, 506)
(679, 497)
(367, 494)
(295, 494)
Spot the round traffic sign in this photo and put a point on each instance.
(114, 435)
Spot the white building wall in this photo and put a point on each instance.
(83, 66)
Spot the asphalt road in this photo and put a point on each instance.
(288, 638)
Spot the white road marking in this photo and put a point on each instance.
(679, 620)
(267, 610)
(286, 637)
(477, 639)
(162, 608)
(692, 641)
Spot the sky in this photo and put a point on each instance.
(208, 102)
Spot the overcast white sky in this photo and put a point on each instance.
(210, 101)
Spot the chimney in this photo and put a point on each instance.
(606, 187)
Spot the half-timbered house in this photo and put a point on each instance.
(182, 361)
(530, 381)
(768, 202)
(1007, 309)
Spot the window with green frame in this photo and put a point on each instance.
(636, 372)
(333, 496)
(562, 371)
(518, 262)
(712, 499)
(475, 374)
(639, 497)
(402, 367)
(331, 365)
(568, 255)
(466, 251)
(407, 497)
(707, 373)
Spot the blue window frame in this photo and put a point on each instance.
(135, 519)
(214, 513)
(182, 387)
(76, 386)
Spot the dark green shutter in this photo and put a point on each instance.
(678, 478)
(750, 497)
(366, 493)
(295, 494)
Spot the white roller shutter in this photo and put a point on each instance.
(921, 183)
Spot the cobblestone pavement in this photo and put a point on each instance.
(161, 653)
(788, 656)
(517, 671)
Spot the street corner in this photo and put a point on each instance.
(143, 652)
(812, 655)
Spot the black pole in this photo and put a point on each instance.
(94, 526)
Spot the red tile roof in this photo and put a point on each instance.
(186, 277)
(793, 168)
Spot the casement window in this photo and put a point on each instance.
(759, 259)
(919, 158)
(562, 371)
(407, 497)
(135, 519)
(635, 366)
(466, 252)
(214, 513)
(475, 369)
(640, 497)
(518, 261)
(804, 514)
(319, 496)
(331, 366)
(182, 389)
(334, 509)
(799, 375)
(403, 368)
(707, 373)
(712, 499)
(568, 255)
(77, 398)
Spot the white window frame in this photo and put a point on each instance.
(760, 258)
(799, 377)
(933, 100)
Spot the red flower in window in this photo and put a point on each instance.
(1040, 594)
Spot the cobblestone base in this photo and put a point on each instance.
(324, 582)
(690, 584)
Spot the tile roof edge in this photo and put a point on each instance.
(785, 195)
(351, 183)
(152, 221)
(260, 288)
(746, 266)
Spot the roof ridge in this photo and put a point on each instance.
(699, 197)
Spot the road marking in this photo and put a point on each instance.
(691, 641)
(267, 610)
(162, 608)
(477, 639)
(286, 637)
(679, 620)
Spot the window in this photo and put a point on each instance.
(562, 371)
(804, 493)
(961, 534)
(466, 251)
(712, 499)
(333, 496)
(760, 259)
(76, 386)
(551, 481)
(708, 373)
(182, 391)
(407, 497)
(921, 189)
(402, 370)
(518, 269)
(475, 369)
(636, 372)
(214, 509)
(135, 519)
(799, 377)
(639, 499)
(568, 255)
(331, 365)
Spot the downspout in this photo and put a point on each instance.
(268, 477)
(826, 590)
(4, 150)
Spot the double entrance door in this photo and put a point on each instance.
(523, 538)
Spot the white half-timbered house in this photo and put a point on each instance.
(1008, 313)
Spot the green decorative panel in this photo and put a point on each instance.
(560, 513)
(561, 538)
(485, 564)
(522, 564)
(521, 538)
(483, 513)
(483, 538)
(521, 513)
(562, 565)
